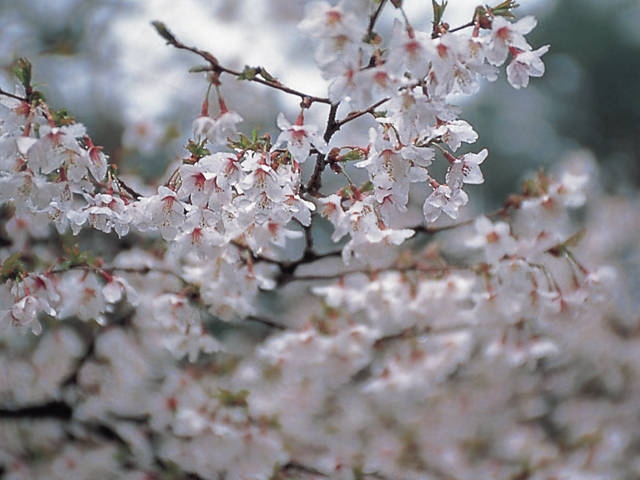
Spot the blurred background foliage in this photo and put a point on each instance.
(589, 97)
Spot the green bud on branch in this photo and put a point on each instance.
(164, 32)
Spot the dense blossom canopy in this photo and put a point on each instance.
(262, 314)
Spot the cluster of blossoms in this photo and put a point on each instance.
(415, 75)
(205, 333)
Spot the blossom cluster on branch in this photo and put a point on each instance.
(202, 327)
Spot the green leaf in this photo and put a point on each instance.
(36, 97)
(200, 68)
(22, 70)
(243, 144)
(255, 135)
(352, 155)
(198, 150)
(438, 11)
(249, 73)
(77, 257)
(266, 75)
(574, 239)
(12, 268)
(504, 9)
(62, 117)
(254, 142)
(367, 187)
(233, 399)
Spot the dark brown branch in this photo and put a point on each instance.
(415, 267)
(315, 182)
(462, 27)
(126, 188)
(430, 230)
(266, 321)
(277, 85)
(333, 125)
(287, 270)
(217, 68)
(374, 17)
(53, 409)
(413, 332)
(11, 95)
(354, 115)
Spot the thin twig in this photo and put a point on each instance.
(430, 230)
(287, 270)
(439, 270)
(354, 115)
(266, 321)
(216, 67)
(11, 95)
(374, 17)
(462, 27)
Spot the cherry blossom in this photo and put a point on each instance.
(285, 310)
(506, 35)
(526, 64)
(466, 169)
(300, 138)
(444, 199)
(202, 125)
(494, 238)
(223, 127)
(454, 132)
(410, 49)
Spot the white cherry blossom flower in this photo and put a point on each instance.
(505, 35)
(169, 212)
(392, 169)
(466, 169)
(454, 132)
(82, 297)
(117, 286)
(444, 199)
(451, 71)
(526, 64)
(300, 138)
(196, 184)
(411, 50)
(202, 125)
(325, 21)
(494, 238)
(24, 313)
(223, 127)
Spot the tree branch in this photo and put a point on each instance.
(217, 68)
(266, 321)
(53, 409)
(357, 114)
(374, 17)
(11, 95)
(315, 182)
